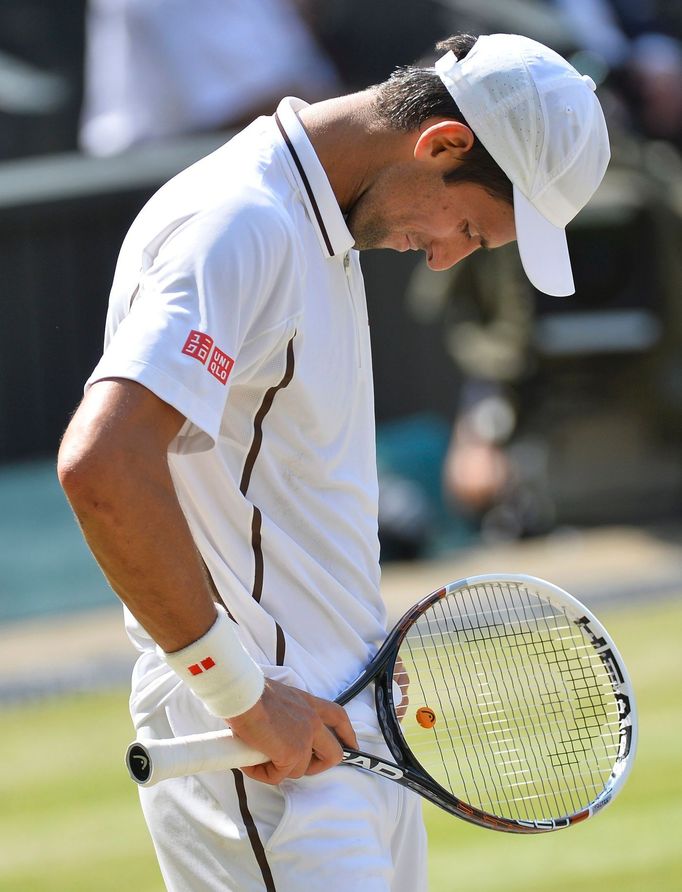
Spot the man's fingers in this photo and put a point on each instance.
(269, 773)
(302, 734)
(266, 774)
(275, 773)
(326, 753)
(336, 719)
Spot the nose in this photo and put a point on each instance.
(444, 255)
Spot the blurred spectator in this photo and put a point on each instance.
(640, 43)
(160, 68)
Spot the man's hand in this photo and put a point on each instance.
(301, 733)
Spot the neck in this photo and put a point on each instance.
(351, 145)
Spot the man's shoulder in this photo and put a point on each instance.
(242, 180)
(217, 219)
(251, 217)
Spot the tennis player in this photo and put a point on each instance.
(222, 463)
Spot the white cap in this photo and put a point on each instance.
(542, 123)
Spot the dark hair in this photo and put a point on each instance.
(413, 94)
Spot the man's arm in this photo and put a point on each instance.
(113, 467)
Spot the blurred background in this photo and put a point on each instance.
(515, 432)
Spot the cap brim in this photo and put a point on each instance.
(543, 249)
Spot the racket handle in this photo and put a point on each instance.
(151, 761)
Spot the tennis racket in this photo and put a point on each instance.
(502, 700)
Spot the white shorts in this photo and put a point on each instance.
(344, 829)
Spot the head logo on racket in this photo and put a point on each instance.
(426, 717)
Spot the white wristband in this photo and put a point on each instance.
(219, 670)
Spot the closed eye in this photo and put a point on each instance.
(466, 229)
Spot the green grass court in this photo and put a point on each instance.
(70, 821)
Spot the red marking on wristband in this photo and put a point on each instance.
(204, 666)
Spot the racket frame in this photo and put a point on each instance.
(409, 772)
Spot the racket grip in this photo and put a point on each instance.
(150, 761)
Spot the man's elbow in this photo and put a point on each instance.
(70, 468)
(82, 464)
(117, 439)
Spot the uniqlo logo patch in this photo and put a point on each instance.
(198, 345)
(203, 666)
(220, 365)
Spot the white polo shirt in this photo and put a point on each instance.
(237, 299)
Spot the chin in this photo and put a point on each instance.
(368, 236)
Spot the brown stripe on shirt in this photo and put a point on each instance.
(252, 832)
(265, 407)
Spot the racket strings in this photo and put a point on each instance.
(529, 764)
(483, 695)
(480, 750)
(538, 685)
(589, 705)
(526, 722)
(510, 724)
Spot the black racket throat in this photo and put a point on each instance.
(383, 662)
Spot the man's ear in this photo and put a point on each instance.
(445, 141)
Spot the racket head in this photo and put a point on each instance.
(520, 714)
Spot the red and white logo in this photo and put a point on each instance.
(220, 365)
(198, 345)
(203, 666)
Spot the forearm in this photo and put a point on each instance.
(135, 528)
(113, 467)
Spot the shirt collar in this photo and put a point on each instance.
(315, 188)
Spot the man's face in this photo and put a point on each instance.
(408, 208)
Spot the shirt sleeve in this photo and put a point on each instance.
(206, 290)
